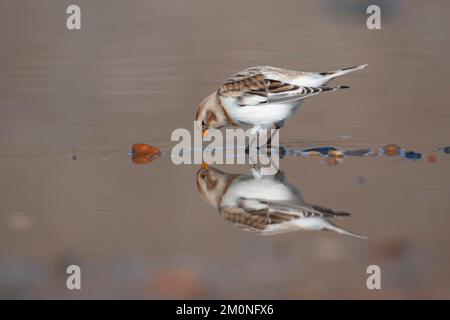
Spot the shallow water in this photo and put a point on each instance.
(73, 102)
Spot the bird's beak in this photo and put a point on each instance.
(204, 133)
(204, 166)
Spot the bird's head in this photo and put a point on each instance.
(212, 183)
(210, 114)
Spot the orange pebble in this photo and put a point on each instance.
(140, 149)
(141, 159)
(432, 158)
(391, 150)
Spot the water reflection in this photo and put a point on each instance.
(264, 204)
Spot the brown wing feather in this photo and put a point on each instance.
(256, 221)
(252, 82)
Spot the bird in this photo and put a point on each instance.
(264, 204)
(263, 97)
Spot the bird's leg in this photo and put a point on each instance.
(257, 170)
(269, 141)
(268, 213)
(251, 142)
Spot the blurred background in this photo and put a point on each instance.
(72, 102)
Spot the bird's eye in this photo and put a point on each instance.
(203, 124)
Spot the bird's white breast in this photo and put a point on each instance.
(264, 115)
(262, 189)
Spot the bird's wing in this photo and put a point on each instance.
(254, 87)
(300, 211)
(253, 220)
(328, 212)
(257, 214)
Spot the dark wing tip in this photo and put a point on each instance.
(344, 87)
(330, 213)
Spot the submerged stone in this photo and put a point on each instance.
(412, 155)
(321, 150)
(391, 150)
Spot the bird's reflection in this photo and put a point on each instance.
(264, 204)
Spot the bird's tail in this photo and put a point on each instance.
(337, 73)
(326, 88)
(332, 227)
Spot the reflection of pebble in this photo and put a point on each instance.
(142, 159)
(360, 181)
(20, 222)
(333, 161)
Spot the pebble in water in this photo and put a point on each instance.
(445, 150)
(391, 150)
(358, 152)
(144, 149)
(412, 155)
(320, 150)
(336, 153)
(144, 153)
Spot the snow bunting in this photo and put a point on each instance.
(264, 204)
(263, 97)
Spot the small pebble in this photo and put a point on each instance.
(445, 150)
(412, 155)
(358, 153)
(336, 153)
(75, 157)
(391, 150)
(144, 149)
(321, 150)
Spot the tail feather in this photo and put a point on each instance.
(332, 227)
(325, 88)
